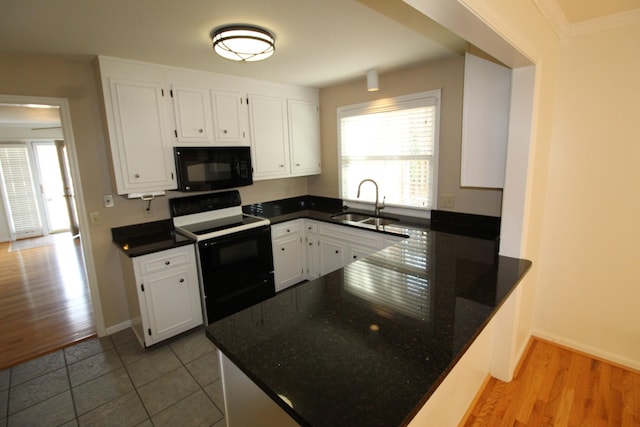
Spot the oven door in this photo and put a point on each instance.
(236, 271)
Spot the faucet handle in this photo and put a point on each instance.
(382, 205)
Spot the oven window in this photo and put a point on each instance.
(238, 252)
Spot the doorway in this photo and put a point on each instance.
(58, 199)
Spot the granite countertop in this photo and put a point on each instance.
(142, 239)
(367, 345)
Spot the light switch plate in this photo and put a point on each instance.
(447, 201)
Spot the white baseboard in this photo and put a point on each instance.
(591, 351)
(119, 327)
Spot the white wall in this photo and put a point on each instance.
(588, 291)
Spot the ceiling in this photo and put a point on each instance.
(318, 42)
(583, 10)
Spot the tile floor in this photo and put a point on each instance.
(113, 381)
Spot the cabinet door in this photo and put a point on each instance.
(142, 154)
(304, 134)
(331, 254)
(288, 259)
(485, 123)
(230, 117)
(173, 304)
(193, 114)
(311, 253)
(269, 137)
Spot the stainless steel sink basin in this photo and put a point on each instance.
(350, 216)
(379, 221)
(363, 218)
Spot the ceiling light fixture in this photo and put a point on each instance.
(372, 81)
(243, 43)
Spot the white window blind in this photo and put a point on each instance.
(393, 142)
(24, 217)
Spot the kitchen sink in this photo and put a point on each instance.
(363, 218)
(350, 216)
(379, 221)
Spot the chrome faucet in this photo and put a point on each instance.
(377, 207)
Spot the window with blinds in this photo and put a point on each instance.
(394, 142)
(19, 194)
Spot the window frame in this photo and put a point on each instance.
(386, 105)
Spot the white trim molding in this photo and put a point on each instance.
(556, 18)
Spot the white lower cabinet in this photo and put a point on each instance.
(163, 293)
(288, 253)
(307, 249)
(331, 255)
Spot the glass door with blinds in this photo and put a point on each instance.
(34, 194)
(19, 191)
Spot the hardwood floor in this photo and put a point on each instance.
(44, 300)
(559, 387)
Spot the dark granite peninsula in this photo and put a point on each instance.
(368, 344)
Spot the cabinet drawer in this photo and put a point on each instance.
(286, 229)
(361, 237)
(165, 260)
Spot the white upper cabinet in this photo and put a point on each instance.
(485, 123)
(140, 146)
(285, 135)
(230, 117)
(269, 136)
(152, 108)
(192, 110)
(304, 134)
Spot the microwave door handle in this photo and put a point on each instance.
(236, 166)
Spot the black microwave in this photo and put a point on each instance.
(212, 168)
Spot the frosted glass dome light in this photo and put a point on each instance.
(243, 43)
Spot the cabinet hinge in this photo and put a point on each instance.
(171, 92)
(247, 101)
(149, 331)
(142, 286)
(172, 178)
(162, 92)
(175, 132)
(241, 101)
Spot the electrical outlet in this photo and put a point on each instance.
(447, 201)
(94, 217)
(108, 201)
